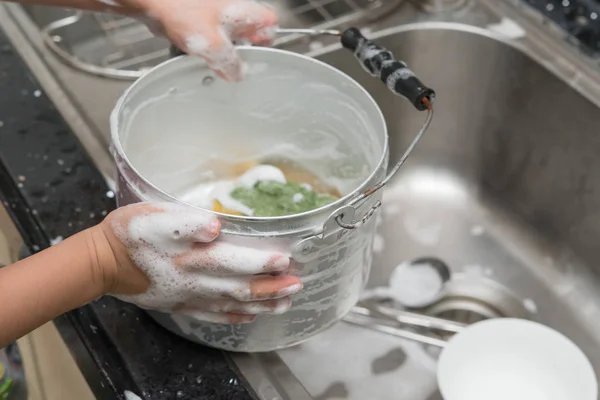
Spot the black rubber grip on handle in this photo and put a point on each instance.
(351, 38)
(380, 63)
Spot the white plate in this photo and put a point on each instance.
(514, 359)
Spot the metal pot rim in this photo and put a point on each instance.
(118, 147)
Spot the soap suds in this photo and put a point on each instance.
(298, 197)
(508, 28)
(240, 16)
(111, 3)
(223, 59)
(261, 173)
(204, 194)
(56, 240)
(222, 193)
(242, 195)
(164, 242)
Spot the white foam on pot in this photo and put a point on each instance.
(261, 173)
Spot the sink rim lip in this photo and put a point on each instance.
(432, 26)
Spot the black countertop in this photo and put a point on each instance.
(52, 190)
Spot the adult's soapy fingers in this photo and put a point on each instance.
(214, 45)
(221, 258)
(245, 289)
(249, 19)
(274, 287)
(275, 306)
(217, 318)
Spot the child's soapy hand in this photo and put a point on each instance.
(206, 28)
(165, 257)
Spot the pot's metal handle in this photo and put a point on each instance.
(380, 63)
(367, 193)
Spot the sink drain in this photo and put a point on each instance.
(436, 6)
(469, 300)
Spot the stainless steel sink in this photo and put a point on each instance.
(505, 189)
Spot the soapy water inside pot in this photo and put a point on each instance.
(185, 139)
(273, 189)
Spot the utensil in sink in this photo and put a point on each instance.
(496, 359)
(394, 322)
(419, 283)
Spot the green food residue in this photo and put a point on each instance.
(275, 199)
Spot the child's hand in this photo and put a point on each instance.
(206, 28)
(165, 257)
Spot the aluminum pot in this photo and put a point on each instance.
(173, 121)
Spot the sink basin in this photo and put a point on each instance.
(504, 189)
